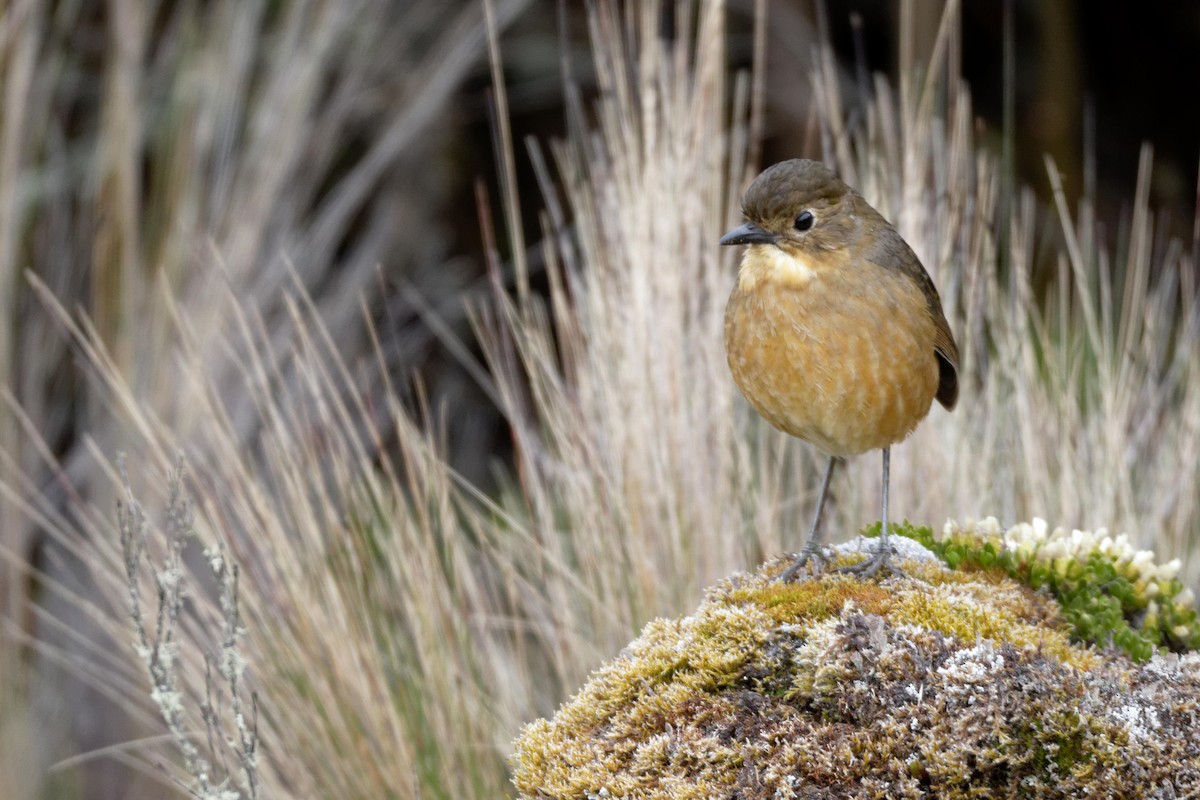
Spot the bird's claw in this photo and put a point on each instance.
(881, 559)
(809, 554)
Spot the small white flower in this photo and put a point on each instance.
(1169, 570)
(1053, 550)
(1143, 561)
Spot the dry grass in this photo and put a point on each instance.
(1080, 403)
(400, 625)
(141, 144)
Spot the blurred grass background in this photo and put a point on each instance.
(264, 220)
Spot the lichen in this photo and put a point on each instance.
(941, 684)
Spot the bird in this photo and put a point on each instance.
(834, 331)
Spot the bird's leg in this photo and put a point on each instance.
(883, 551)
(814, 541)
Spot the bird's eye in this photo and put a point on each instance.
(804, 221)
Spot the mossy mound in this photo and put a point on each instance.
(941, 684)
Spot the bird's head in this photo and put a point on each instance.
(800, 207)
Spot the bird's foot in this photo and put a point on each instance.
(881, 559)
(809, 555)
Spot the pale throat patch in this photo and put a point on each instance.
(766, 262)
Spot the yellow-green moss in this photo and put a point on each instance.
(811, 601)
(965, 616)
(941, 685)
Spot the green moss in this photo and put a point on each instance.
(1109, 595)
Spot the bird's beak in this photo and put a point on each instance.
(748, 234)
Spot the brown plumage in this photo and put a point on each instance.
(834, 331)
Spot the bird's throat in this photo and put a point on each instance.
(768, 264)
